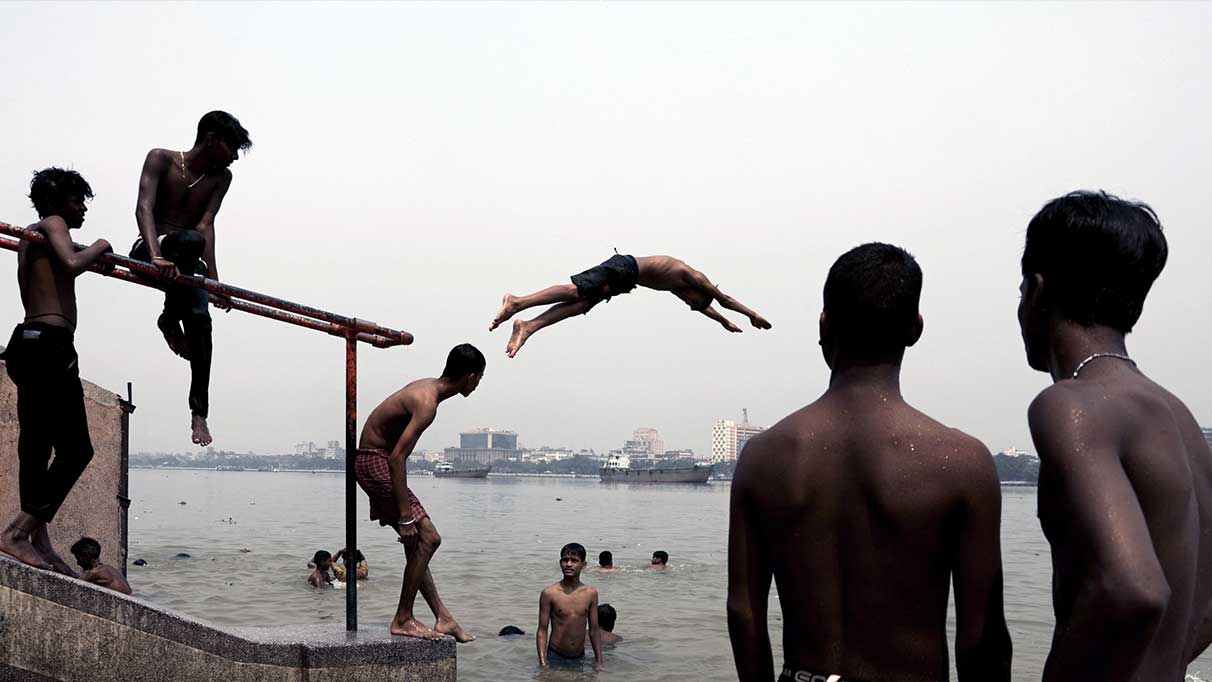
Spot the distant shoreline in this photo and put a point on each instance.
(1004, 484)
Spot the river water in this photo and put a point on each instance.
(501, 540)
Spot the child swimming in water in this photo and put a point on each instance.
(321, 576)
(571, 607)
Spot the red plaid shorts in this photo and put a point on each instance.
(370, 468)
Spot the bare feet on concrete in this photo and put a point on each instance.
(413, 628)
(42, 543)
(16, 544)
(451, 627)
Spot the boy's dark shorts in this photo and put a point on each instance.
(617, 275)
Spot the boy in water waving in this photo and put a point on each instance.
(569, 606)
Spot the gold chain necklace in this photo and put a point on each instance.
(186, 177)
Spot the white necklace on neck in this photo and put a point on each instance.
(1096, 356)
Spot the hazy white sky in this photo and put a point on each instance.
(413, 162)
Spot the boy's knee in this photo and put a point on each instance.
(197, 321)
(431, 539)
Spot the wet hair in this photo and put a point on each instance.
(88, 547)
(574, 548)
(463, 359)
(606, 617)
(225, 127)
(52, 187)
(871, 298)
(663, 556)
(510, 630)
(1098, 255)
(605, 559)
(321, 555)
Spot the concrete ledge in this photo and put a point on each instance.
(59, 628)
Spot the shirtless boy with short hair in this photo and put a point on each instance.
(1125, 482)
(571, 608)
(88, 555)
(321, 575)
(180, 193)
(42, 362)
(619, 275)
(606, 619)
(866, 512)
(388, 438)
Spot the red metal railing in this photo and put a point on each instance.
(351, 329)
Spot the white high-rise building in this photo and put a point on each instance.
(728, 438)
(1208, 437)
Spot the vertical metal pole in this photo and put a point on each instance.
(351, 481)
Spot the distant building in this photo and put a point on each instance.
(728, 438)
(680, 454)
(647, 441)
(484, 446)
(1208, 437)
(1015, 452)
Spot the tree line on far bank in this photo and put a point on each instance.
(1016, 468)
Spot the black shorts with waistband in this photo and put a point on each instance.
(618, 274)
(790, 675)
(41, 360)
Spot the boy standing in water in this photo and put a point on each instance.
(321, 576)
(88, 555)
(571, 607)
(619, 275)
(388, 438)
(42, 362)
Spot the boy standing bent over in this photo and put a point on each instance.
(42, 362)
(388, 438)
(569, 605)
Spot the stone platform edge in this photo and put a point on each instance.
(24, 590)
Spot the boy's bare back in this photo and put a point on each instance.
(386, 422)
(858, 504)
(1117, 440)
(569, 613)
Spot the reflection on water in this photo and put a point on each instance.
(501, 539)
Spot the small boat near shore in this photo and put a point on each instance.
(448, 470)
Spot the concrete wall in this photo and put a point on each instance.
(95, 506)
(57, 628)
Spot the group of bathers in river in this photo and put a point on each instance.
(866, 511)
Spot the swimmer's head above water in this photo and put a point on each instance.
(606, 560)
(660, 559)
(322, 560)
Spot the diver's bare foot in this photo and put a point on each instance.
(731, 327)
(521, 332)
(760, 322)
(413, 628)
(201, 435)
(173, 336)
(20, 548)
(509, 307)
(42, 543)
(451, 627)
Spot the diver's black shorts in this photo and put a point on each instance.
(618, 275)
